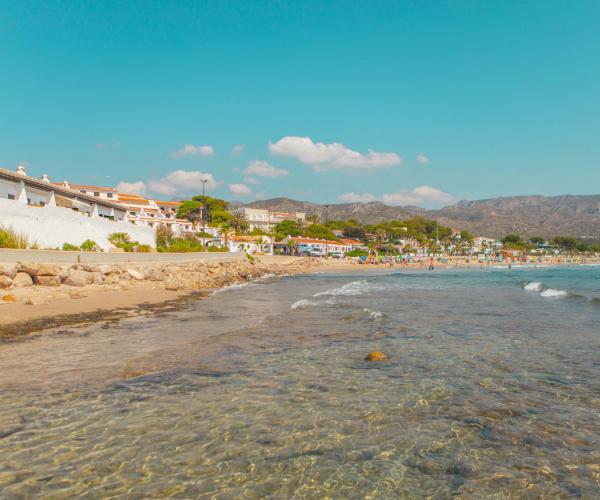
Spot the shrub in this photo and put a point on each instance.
(9, 238)
(90, 246)
(69, 247)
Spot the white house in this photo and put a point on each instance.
(250, 244)
(259, 218)
(50, 215)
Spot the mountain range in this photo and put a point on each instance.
(545, 216)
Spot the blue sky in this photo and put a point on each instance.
(409, 102)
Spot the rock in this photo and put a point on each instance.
(8, 268)
(76, 294)
(376, 357)
(22, 279)
(9, 298)
(31, 268)
(76, 277)
(172, 285)
(47, 280)
(97, 278)
(48, 270)
(90, 269)
(106, 269)
(153, 274)
(135, 274)
(5, 281)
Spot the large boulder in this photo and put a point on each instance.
(135, 274)
(22, 279)
(9, 269)
(48, 270)
(47, 280)
(154, 274)
(5, 281)
(76, 277)
(31, 268)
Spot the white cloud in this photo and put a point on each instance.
(264, 169)
(138, 187)
(423, 159)
(422, 196)
(181, 182)
(239, 189)
(238, 149)
(251, 180)
(356, 197)
(190, 149)
(334, 156)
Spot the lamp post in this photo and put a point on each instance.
(203, 181)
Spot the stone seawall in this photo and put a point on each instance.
(23, 280)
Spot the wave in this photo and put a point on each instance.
(235, 286)
(533, 286)
(352, 288)
(372, 313)
(301, 304)
(551, 292)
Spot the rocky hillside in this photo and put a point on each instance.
(567, 215)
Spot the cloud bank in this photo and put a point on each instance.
(422, 196)
(239, 189)
(264, 169)
(334, 156)
(190, 150)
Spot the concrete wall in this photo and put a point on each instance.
(50, 227)
(60, 257)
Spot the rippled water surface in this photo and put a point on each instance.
(492, 388)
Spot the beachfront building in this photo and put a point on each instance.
(485, 246)
(250, 244)
(50, 214)
(148, 212)
(104, 193)
(266, 220)
(312, 246)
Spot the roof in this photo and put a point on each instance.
(349, 241)
(60, 189)
(318, 241)
(83, 186)
(158, 202)
(248, 238)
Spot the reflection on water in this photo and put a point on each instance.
(491, 389)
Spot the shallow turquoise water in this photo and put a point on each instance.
(492, 388)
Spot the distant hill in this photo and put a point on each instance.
(567, 215)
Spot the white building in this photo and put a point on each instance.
(50, 215)
(250, 244)
(147, 212)
(259, 218)
(315, 246)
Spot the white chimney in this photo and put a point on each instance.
(66, 184)
(45, 178)
(21, 169)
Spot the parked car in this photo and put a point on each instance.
(337, 255)
(316, 253)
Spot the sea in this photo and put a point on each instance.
(491, 389)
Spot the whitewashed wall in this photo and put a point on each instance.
(50, 227)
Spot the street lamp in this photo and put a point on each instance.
(326, 240)
(203, 181)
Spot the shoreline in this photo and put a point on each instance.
(40, 308)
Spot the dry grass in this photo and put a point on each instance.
(9, 238)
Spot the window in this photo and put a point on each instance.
(11, 196)
(109, 195)
(96, 193)
(82, 191)
(132, 213)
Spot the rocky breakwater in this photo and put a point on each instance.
(33, 281)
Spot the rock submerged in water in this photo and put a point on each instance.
(376, 357)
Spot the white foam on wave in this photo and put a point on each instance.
(235, 286)
(551, 292)
(372, 313)
(301, 304)
(352, 288)
(534, 286)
